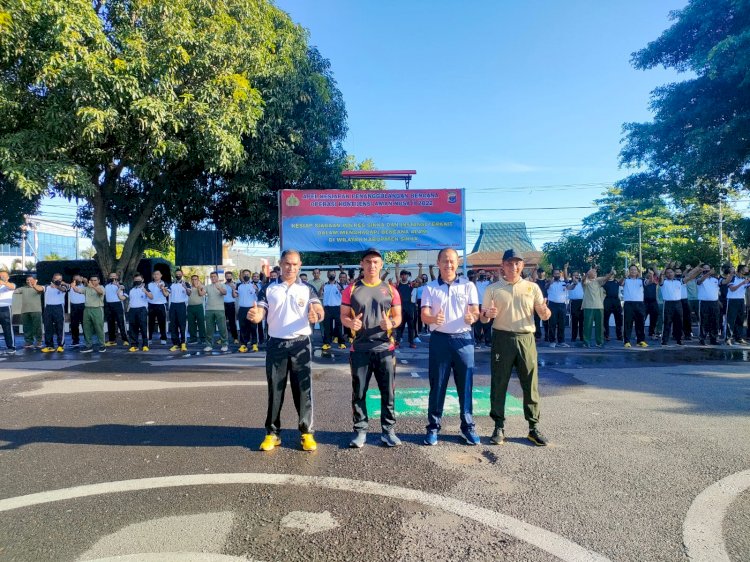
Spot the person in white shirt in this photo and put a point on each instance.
(635, 308)
(179, 293)
(6, 313)
(77, 303)
(114, 312)
(157, 307)
(482, 331)
(737, 287)
(230, 310)
(708, 298)
(54, 317)
(291, 307)
(575, 297)
(332, 329)
(671, 294)
(259, 328)
(450, 306)
(557, 297)
(247, 296)
(138, 313)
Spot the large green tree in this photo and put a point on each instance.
(163, 113)
(16, 205)
(698, 143)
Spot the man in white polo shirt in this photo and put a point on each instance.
(708, 299)
(230, 312)
(671, 294)
(77, 303)
(114, 312)
(737, 287)
(54, 318)
(291, 306)
(6, 313)
(157, 307)
(179, 293)
(450, 306)
(247, 295)
(138, 313)
(332, 328)
(635, 309)
(557, 300)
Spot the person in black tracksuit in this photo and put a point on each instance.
(613, 306)
(408, 310)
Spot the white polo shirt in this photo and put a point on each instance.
(632, 290)
(453, 299)
(556, 292)
(138, 298)
(332, 294)
(738, 293)
(709, 289)
(76, 298)
(110, 292)
(155, 290)
(178, 293)
(286, 308)
(576, 293)
(6, 296)
(671, 290)
(247, 295)
(53, 296)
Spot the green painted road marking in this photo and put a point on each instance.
(414, 402)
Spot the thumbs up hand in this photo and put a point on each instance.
(312, 316)
(469, 318)
(491, 312)
(357, 322)
(385, 320)
(255, 314)
(440, 318)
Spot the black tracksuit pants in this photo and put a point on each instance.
(735, 319)
(652, 313)
(289, 359)
(54, 325)
(157, 314)
(576, 319)
(231, 313)
(76, 322)
(673, 320)
(612, 306)
(178, 322)
(248, 330)
(557, 322)
(365, 364)
(635, 313)
(114, 314)
(710, 315)
(138, 324)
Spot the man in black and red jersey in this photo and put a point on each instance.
(371, 309)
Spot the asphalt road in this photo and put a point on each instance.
(154, 456)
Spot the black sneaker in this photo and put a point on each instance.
(87, 350)
(498, 436)
(536, 437)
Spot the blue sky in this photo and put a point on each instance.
(520, 103)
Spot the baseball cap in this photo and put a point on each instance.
(511, 254)
(371, 251)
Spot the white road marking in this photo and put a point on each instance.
(702, 532)
(76, 386)
(10, 374)
(548, 541)
(174, 557)
(309, 522)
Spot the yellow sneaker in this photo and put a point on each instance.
(48, 349)
(642, 344)
(335, 340)
(326, 347)
(174, 348)
(183, 347)
(125, 344)
(627, 344)
(110, 344)
(243, 349)
(255, 347)
(145, 348)
(270, 442)
(60, 349)
(308, 443)
(134, 348)
(342, 346)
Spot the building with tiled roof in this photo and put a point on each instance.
(495, 238)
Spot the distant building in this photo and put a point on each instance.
(495, 238)
(43, 238)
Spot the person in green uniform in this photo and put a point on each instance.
(215, 315)
(93, 313)
(31, 312)
(510, 304)
(593, 306)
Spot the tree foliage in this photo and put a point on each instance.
(164, 113)
(16, 205)
(699, 140)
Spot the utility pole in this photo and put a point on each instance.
(640, 248)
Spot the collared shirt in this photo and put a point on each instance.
(31, 299)
(556, 292)
(155, 290)
(737, 293)
(110, 292)
(76, 298)
(593, 294)
(709, 289)
(515, 305)
(671, 290)
(287, 307)
(453, 299)
(53, 296)
(93, 299)
(229, 297)
(632, 290)
(196, 298)
(332, 294)
(177, 292)
(576, 293)
(247, 295)
(138, 298)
